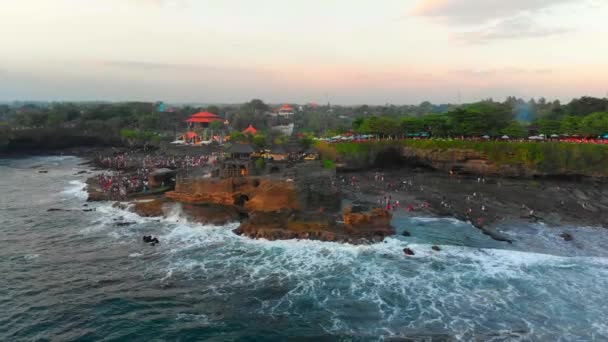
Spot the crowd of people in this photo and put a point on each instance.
(127, 160)
(131, 170)
(117, 185)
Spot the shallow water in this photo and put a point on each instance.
(70, 275)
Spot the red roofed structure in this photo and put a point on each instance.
(204, 118)
(250, 130)
(286, 110)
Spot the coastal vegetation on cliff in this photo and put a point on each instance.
(546, 157)
(551, 158)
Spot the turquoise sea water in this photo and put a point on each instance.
(74, 275)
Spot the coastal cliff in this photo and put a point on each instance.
(488, 158)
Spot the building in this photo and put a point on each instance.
(191, 138)
(278, 153)
(286, 111)
(238, 163)
(283, 129)
(203, 119)
(240, 151)
(250, 130)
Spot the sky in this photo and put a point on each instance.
(298, 51)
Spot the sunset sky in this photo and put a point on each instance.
(347, 51)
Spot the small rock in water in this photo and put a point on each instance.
(43, 171)
(406, 233)
(566, 236)
(436, 248)
(408, 251)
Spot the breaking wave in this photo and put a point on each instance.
(76, 189)
(375, 290)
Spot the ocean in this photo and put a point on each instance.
(71, 275)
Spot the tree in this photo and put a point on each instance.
(55, 119)
(570, 125)
(5, 135)
(515, 130)
(480, 118)
(213, 109)
(594, 124)
(548, 126)
(587, 105)
(357, 124)
(436, 124)
(259, 140)
(237, 137)
(411, 125)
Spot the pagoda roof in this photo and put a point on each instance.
(204, 115)
(204, 120)
(250, 130)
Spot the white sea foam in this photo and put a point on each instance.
(436, 219)
(459, 289)
(76, 189)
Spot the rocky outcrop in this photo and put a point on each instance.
(363, 227)
(302, 204)
(205, 214)
(150, 207)
(361, 221)
(248, 194)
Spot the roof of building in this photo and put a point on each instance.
(286, 107)
(250, 130)
(204, 115)
(241, 148)
(190, 135)
(204, 120)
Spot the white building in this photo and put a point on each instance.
(286, 111)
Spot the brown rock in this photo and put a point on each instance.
(408, 251)
(149, 207)
(210, 214)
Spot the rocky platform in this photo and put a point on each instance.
(304, 204)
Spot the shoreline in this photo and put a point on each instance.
(557, 203)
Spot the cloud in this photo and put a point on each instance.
(519, 27)
(474, 12)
